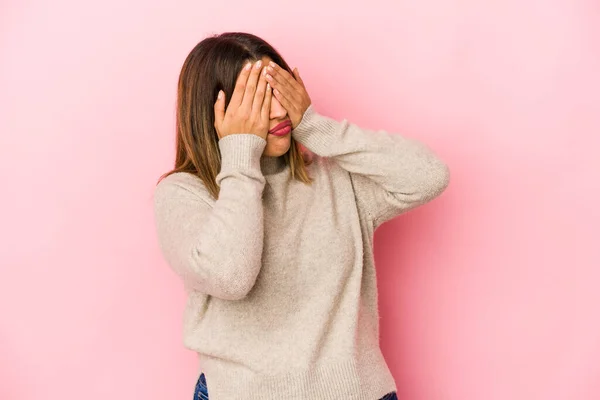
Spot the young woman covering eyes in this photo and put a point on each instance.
(268, 218)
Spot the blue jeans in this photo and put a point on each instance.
(201, 392)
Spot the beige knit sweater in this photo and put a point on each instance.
(280, 276)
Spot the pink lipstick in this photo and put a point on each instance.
(282, 129)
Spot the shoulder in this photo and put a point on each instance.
(326, 166)
(180, 184)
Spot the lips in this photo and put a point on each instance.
(284, 124)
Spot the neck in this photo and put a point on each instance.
(271, 165)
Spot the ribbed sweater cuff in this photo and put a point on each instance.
(316, 131)
(241, 150)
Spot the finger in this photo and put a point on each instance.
(279, 81)
(291, 95)
(260, 92)
(266, 106)
(240, 85)
(251, 86)
(292, 91)
(282, 76)
(285, 102)
(219, 109)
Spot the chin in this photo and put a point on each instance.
(276, 149)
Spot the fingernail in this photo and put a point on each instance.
(220, 95)
(258, 64)
(248, 66)
(272, 64)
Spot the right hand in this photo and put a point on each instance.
(250, 105)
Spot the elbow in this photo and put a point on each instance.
(236, 287)
(227, 279)
(443, 177)
(436, 182)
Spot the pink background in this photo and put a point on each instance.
(489, 292)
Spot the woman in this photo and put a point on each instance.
(275, 251)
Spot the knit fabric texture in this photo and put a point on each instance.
(280, 274)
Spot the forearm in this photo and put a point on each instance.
(406, 171)
(216, 247)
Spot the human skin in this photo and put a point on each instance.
(267, 84)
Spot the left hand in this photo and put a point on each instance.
(289, 91)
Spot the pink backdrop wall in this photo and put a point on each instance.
(489, 292)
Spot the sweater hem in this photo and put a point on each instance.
(366, 377)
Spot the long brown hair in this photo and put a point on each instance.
(214, 64)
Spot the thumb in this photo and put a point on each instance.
(220, 108)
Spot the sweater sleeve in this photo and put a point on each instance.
(390, 173)
(216, 246)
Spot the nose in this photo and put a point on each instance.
(277, 110)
